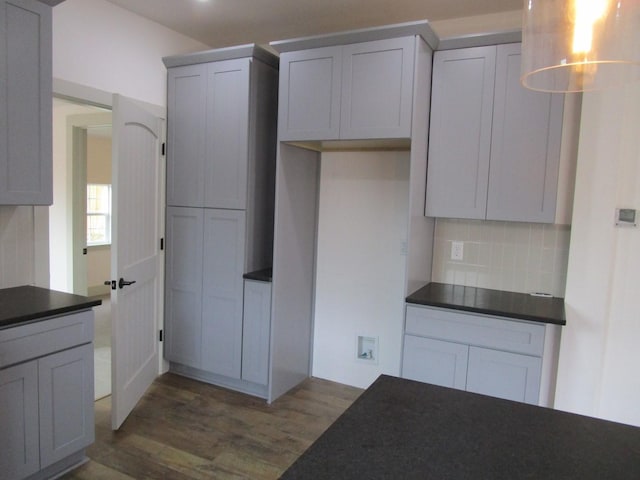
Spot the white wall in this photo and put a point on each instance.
(599, 354)
(100, 45)
(362, 225)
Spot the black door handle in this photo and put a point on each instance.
(122, 282)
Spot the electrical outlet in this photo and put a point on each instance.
(457, 250)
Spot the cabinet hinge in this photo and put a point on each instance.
(160, 336)
(162, 244)
(164, 148)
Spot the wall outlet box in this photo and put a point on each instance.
(367, 349)
(457, 250)
(625, 217)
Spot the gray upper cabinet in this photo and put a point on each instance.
(460, 132)
(309, 99)
(494, 148)
(215, 116)
(25, 103)
(356, 91)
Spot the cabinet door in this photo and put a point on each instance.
(377, 89)
(186, 133)
(19, 447)
(183, 309)
(256, 330)
(525, 146)
(25, 103)
(309, 98)
(66, 403)
(460, 132)
(504, 375)
(223, 263)
(435, 361)
(227, 134)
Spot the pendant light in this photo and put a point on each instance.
(580, 45)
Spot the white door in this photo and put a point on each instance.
(135, 254)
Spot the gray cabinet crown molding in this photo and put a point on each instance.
(229, 53)
(421, 28)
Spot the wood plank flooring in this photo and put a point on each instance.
(183, 429)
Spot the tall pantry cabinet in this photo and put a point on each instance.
(221, 146)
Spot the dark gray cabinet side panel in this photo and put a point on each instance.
(525, 147)
(183, 309)
(460, 132)
(263, 110)
(186, 132)
(227, 134)
(377, 89)
(223, 263)
(435, 361)
(309, 99)
(504, 375)
(25, 103)
(19, 445)
(66, 403)
(256, 330)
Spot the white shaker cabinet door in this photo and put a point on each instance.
(309, 98)
(19, 435)
(435, 361)
(377, 89)
(460, 132)
(525, 146)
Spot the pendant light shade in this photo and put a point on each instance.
(580, 45)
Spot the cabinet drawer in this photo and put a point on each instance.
(36, 339)
(480, 330)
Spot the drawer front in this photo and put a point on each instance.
(47, 336)
(480, 330)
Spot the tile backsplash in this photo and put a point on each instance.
(512, 256)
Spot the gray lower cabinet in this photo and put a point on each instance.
(256, 331)
(494, 146)
(483, 354)
(46, 396)
(356, 91)
(25, 103)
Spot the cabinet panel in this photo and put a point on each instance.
(19, 446)
(309, 99)
(460, 132)
(25, 103)
(256, 329)
(223, 263)
(525, 146)
(435, 361)
(227, 134)
(186, 132)
(184, 285)
(66, 403)
(377, 89)
(504, 375)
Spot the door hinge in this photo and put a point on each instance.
(162, 244)
(164, 148)
(160, 335)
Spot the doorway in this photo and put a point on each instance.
(79, 220)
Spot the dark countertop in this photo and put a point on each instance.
(402, 429)
(491, 302)
(263, 275)
(27, 304)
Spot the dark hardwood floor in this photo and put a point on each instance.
(183, 429)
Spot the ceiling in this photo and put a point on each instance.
(221, 23)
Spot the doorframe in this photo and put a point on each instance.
(92, 96)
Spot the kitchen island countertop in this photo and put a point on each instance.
(26, 304)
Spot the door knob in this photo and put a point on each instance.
(123, 283)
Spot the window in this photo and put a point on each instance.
(98, 214)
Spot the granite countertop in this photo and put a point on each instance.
(26, 304)
(411, 430)
(491, 302)
(263, 275)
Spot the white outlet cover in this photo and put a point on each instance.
(457, 250)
